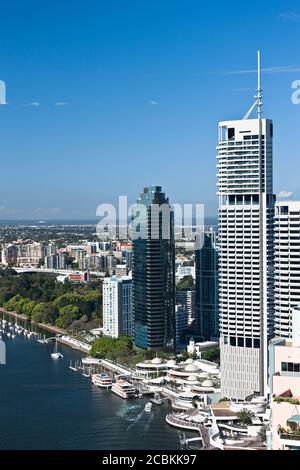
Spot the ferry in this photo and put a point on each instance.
(124, 389)
(102, 380)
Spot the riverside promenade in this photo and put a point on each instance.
(63, 337)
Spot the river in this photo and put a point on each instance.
(45, 405)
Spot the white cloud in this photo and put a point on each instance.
(290, 16)
(55, 210)
(10, 210)
(270, 70)
(34, 104)
(61, 103)
(284, 194)
(153, 102)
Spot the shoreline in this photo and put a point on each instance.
(50, 328)
(43, 326)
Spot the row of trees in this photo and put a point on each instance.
(111, 348)
(42, 299)
(123, 351)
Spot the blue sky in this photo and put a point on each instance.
(106, 96)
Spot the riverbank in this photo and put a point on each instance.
(66, 340)
(44, 326)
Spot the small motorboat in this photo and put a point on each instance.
(148, 407)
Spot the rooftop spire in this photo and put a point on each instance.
(259, 88)
(258, 98)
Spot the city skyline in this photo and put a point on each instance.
(69, 119)
(149, 229)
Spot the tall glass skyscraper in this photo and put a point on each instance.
(206, 304)
(153, 272)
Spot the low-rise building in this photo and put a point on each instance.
(284, 361)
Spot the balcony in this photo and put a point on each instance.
(290, 435)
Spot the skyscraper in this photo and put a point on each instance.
(246, 211)
(287, 262)
(186, 297)
(117, 306)
(206, 304)
(153, 272)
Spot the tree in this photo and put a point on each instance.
(184, 355)
(187, 282)
(262, 434)
(245, 417)
(28, 308)
(44, 312)
(67, 315)
(11, 304)
(101, 347)
(211, 354)
(38, 312)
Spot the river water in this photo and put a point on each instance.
(45, 405)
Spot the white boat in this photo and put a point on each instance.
(148, 407)
(13, 336)
(56, 354)
(8, 334)
(124, 389)
(102, 380)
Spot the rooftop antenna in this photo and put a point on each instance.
(258, 99)
(259, 89)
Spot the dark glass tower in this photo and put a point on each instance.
(206, 304)
(153, 272)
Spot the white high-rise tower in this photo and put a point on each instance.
(287, 262)
(246, 210)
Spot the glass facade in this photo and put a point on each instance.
(206, 305)
(153, 274)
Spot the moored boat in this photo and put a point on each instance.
(102, 380)
(56, 354)
(124, 389)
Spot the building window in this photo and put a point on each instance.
(290, 367)
(231, 133)
(284, 210)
